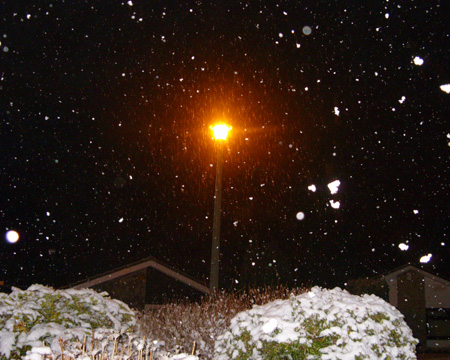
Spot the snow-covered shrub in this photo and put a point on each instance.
(41, 315)
(319, 324)
(180, 325)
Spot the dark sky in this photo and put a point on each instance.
(107, 157)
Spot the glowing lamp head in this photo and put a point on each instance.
(220, 131)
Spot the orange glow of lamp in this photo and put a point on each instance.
(220, 131)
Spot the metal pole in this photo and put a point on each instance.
(215, 250)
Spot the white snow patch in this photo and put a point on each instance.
(403, 246)
(336, 111)
(8, 339)
(184, 357)
(426, 258)
(270, 326)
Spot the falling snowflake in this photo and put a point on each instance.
(426, 258)
(12, 236)
(335, 204)
(312, 188)
(334, 186)
(418, 61)
(307, 30)
(445, 88)
(300, 215)
(403, 246)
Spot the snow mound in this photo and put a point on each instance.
(319, 324)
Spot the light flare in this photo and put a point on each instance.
(220, 131)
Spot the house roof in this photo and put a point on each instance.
(137, 266)
(408, 267)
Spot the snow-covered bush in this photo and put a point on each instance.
(179, 325)
(43, 317)
(319, 324)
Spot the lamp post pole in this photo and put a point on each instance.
(220, 134)
(215, 250)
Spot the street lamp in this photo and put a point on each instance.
(220, 135)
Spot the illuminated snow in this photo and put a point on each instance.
(334, 186)
(335, 204)
(445, 88)
(426, 258)
(300, 215)
(312, 188)
(403, 246)
(402, 100)
(270, 326)
(418, 61)
(336, 111)
(285, 321)
(12, 236)
(415, 212)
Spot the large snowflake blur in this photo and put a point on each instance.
(338, 114)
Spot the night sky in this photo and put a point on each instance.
(107, 156)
